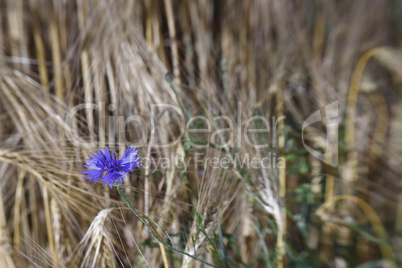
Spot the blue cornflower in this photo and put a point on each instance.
(108, 163)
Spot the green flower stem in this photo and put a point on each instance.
(145, 221)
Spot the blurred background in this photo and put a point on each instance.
(281, 60)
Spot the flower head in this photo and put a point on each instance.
(108, 164)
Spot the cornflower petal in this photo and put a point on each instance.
(107, 164)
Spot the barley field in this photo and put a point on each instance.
(268, 133)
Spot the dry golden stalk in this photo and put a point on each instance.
(40, 49)
(281, 175)
(173, 41)
(350, 176)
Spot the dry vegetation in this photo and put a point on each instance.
(277, 58)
